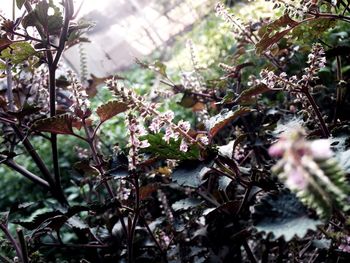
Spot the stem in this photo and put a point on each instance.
(249, 252)
(154, 238)
(41, 165)
(90, 139)
(9, 91)
(23, 171)
(339, 92)
(52, 90)
(135, 220)
(313, 104)
(75, 245)
(23, 245)
(5, 259)
(12, 240)
(28, 37)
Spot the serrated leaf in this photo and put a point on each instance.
(268, 33)
(189, 173)
(60, 124)
(267, 41)
(30, 20)
(38, 220)
(111, 109)
(282, 214)
(185, 204)
(53, 219)
(75, 222)
(217, 122)
(247, 94)
(55, 23)
(41, 11)
(25, 111)
(86, 168)
(18, 52)
(169, 150)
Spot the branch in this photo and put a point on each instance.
(23, 171)
(12, 241)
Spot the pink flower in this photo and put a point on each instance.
(156, 125)
(169, 115)
(184, 125)
(345, 245)
(170, 133)
(320, 149)
(204, 140)
(183, 146)
(296, 179)
(277, 149)
(144, 144)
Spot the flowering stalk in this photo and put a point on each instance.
(316, 61)
(159, 120)
(308, 168)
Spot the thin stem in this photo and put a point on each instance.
(23, 245)
(28, 37)
(52, 89)
(90, 139)
(135, 220)
(75, 245)
(313, 104)
(249, 252)
(12, 240)
(9, 91)
(41, 165)
(5, 259)
(339, 90)
(154, 238)
(23, 171)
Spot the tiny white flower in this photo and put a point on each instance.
(183, 146)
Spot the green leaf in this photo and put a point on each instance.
(185, 204)
(187, 101)
(41, 11)
(111, 109)
(20, 3)
(190, 173)
(18, 52)
(60, 124)
(160, 68)
(217, 122)
(30, 20)
(54, 219)
(282, 214)
(55, 24)
(169, 150)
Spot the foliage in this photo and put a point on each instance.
(179, 166)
